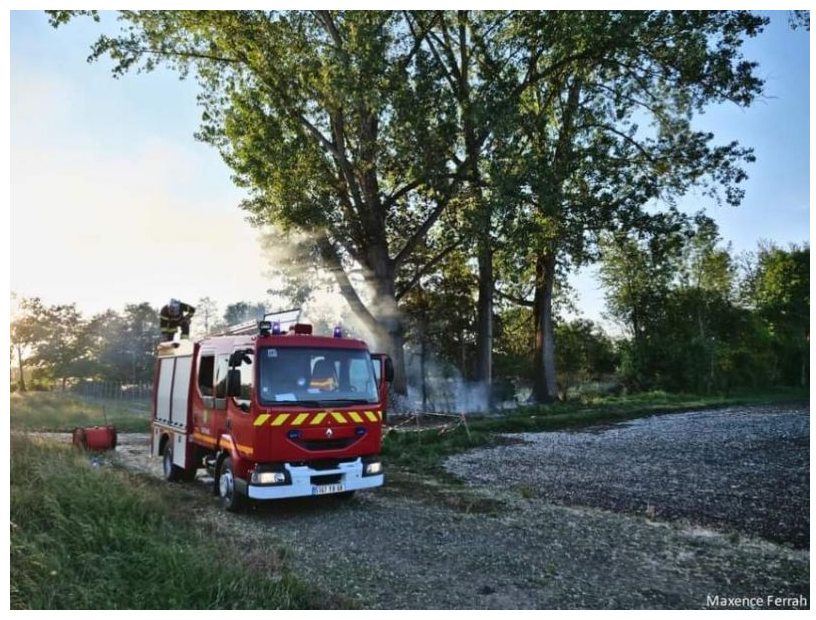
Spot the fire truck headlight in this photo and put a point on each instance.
(372, 469)
(267, 477)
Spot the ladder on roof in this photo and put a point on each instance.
(286, 318)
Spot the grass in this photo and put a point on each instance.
(423, 451)
(90, 538)
(56, 411)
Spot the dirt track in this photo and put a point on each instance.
(505, 543)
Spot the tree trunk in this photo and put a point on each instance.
(20, 366)
(544, 385)
(484, 333)
(484, 304)
(385, 322)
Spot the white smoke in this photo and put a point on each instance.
(295, 276)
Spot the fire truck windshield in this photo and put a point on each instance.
(316, 377)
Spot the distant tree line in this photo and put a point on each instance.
(689, 315)
(56, 344)
(685, 314)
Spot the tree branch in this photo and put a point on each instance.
(425, 268)
(516, 300)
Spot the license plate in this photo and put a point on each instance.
(325, 489)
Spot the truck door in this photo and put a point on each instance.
(239, 409)
(207, 422)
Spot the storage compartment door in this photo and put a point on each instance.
(181, 390)
(163, 393)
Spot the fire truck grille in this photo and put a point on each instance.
(328, 463)
(327, 479)
(328, 444)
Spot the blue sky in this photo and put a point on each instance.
(127, 203)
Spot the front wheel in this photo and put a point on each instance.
(232, 500)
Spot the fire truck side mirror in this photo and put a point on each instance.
(389, 369)
(234, 383)
(383, 367)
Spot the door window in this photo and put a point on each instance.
(221, 368)
(246, 368)
(206, 365)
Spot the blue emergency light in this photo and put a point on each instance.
(338, 332)
(276, 328)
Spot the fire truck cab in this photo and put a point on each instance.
(270, 414)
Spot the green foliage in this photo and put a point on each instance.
(676, 294)
(54, 338)
(440, 313)
(585, 353)
(777, 289)
(96, 538)
(124, 344)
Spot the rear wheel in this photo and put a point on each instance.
(174, 473)
(171, 472)
(230, 497)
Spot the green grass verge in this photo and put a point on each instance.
(55, 411)
(89, 538)
(423, 451)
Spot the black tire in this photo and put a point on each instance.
(231, 498)
(171, 472)
(174, 473)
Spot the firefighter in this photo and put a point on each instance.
(174, 315)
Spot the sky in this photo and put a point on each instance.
(113, 201)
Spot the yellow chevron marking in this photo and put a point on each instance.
(299, 419)
(379, 415)
(355, 416)
(261, 419)
(280, 419)
(371, 416)
(339, 417)
(318, 418)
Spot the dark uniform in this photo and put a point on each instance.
(173, 316)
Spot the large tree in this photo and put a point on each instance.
(606, 132)
(334, 121)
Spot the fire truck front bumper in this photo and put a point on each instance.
(302, 480)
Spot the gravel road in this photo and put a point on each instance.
(744, 469)
(513, 538)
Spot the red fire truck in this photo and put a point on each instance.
(271, 414)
